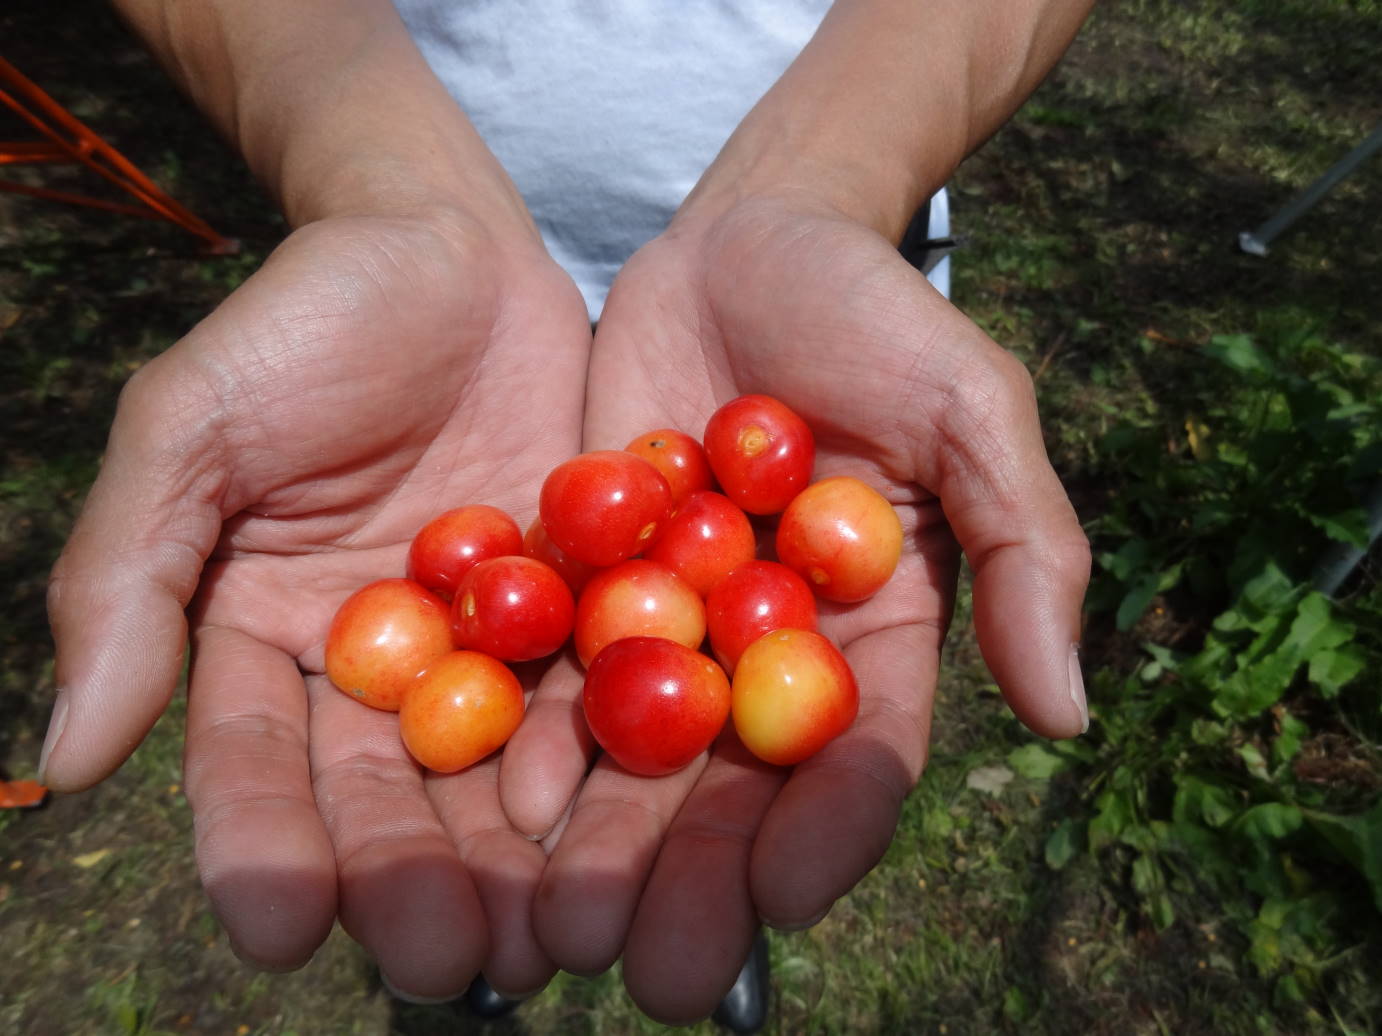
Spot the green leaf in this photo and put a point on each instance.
(1358, 839)
(1331, 671)
(1252, 759)
(1146, 875)
(1162, 912)
(1197, 799)
(1350, 526)
(1016, 1006)
(1269, 822)
(1287, 744)
(1037, 761)
(1254, 688)
(1064, 843)
(1127, 561)
(1240, 353)
(1270, 590)
(1115, 813)
(1136, 600)
(1207, 732)
(1316, 628)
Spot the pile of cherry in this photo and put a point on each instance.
(634, 556)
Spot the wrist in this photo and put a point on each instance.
(333, 108)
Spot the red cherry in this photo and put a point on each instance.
(705, 540)
(382, 637)
(654, 705)
(447, 546)
(637, 598)
(756, 598)
(793, 693)
(761, 452)
(539, 546)
(605, 506)
(679, 457)
(513, 608)
(842, 537)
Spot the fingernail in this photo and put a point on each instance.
(518, 997)
(412, 998)
(55, 729)
(1077, 687)
(797, 926)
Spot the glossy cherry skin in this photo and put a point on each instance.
(793, 693)
(513, 608)
(604, 507)
(382, 637)
(539, 546)
(638, 598)
(842, 537)
(756, 598)
(706, 539)
(459, 709)
(761, 452)
(679, 457)
(447, 546)
(654, 705)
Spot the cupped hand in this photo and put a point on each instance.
(374, 372)
(785, 297)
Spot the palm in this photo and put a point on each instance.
(408, 377)
(898, 387)
(371, 375)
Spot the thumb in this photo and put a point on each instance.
(117, 595)
(1020, 534)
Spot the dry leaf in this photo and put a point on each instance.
(89, 860)
(1198, 433)
(989, 779)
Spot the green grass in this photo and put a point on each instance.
(1099, 231)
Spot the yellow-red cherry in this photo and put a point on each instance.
(679, 457)
(637, 598)
(382, 637)
(793, 694)
(539, 546)
(842, 536)
(459, 709)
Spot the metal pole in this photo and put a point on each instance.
(1341, 559)
(1255, 242)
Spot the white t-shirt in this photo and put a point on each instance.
(606, 112)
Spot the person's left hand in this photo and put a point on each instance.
(785, 297)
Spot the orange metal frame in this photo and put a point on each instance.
(67, 141)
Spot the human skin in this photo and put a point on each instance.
(282, 455)
(780, 275)
(406, 231)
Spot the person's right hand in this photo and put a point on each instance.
(374, 372)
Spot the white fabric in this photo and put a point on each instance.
(606, 112)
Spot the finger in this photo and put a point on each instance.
(593, 880)
(118, 591)
(506, 868)
(1012, 517)
(547, 758)
(837, 813)
(696, 919)
(262, 850)
(404, 893)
